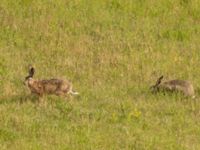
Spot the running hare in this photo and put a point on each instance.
(182, 86)
(52, 86)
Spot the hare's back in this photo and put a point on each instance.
(181, 83)
(51, 82)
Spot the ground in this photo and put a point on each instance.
(112, 51)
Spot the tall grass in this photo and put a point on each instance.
(112, 51)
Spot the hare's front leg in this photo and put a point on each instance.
(42, 100)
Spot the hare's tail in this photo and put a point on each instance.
(193, 97)
(73, 92)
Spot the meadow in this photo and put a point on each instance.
(112, 51)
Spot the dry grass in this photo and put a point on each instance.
(112, 50)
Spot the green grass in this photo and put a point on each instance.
(112, 51)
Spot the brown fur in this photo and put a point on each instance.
(52, 86)
(181, 86)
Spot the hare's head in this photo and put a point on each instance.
(155, 87)
(29, 78)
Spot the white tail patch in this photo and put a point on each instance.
(193, 97)
(74, 92)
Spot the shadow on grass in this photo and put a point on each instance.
(21, 98)
(24, 98)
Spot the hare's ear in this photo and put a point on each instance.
(31, 72)
(155, 87)
(159, 80)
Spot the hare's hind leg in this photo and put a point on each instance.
(59, 93)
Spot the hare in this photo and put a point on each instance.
(52, 86)
(182, 86)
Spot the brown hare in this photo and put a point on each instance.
(57, 87)
(182, 86)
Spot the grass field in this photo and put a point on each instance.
(112, 51)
